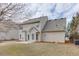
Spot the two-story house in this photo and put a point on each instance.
(42, 29)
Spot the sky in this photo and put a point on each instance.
(52, 10)
(60, 11)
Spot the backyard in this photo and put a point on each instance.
(38, 49)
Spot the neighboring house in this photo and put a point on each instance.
(8, 30)
(42, 29)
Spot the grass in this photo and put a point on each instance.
(39, 49)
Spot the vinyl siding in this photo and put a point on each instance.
(53, 36)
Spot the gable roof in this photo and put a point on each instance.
(34, 28)
(34, 20)
(41, 20)
(55, 25)
(48, 25)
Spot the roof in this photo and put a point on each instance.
(55, 25)
(34, 20)
(48, 25)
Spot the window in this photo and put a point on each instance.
(32, 36)
(20, 36)
(28, 37)
(36, 36)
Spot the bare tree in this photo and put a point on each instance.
(5, 10)
(24, 11)
(12, 9)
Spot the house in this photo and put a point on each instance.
(42, 29)
(8, 30)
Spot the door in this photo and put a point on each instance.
(22, 36)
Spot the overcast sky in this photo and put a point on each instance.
(53, 10)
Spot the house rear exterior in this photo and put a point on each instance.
(42, 29)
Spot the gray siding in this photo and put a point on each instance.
(54, 37)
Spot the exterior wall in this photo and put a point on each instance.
(28, 26)
(8, 35)
(24, 35)
(12, 34)
(34, 36)
(41, 25)
(3, 35)
(54, 36)
(21, 35)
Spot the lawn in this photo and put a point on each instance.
(39, 49)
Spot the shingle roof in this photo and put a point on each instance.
(33, 20)
(49, 25)
(55, 25)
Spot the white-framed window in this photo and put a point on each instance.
(32, 36)
(28, 36)
(20, 36)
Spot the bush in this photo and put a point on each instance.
(74, 37)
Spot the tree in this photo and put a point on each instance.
(24, 11)
(11, 10)
(73, 26)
